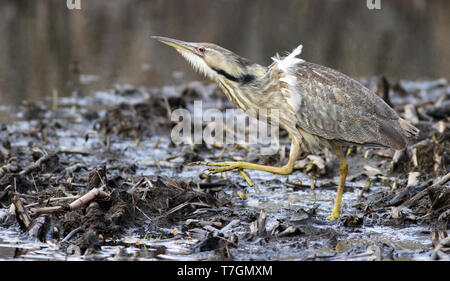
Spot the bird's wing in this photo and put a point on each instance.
(337, 107)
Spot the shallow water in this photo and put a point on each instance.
(272, 194)
(412, 242)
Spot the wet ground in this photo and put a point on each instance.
(97, 178)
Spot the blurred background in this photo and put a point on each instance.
(45, 47)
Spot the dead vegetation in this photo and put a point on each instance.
(69, 183)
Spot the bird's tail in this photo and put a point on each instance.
(409, 129)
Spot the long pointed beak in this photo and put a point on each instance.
(177, 44)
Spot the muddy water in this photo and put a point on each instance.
(321, 239)
(411, 243)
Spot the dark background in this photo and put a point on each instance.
(44, 44)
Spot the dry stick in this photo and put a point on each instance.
(71, 151)
(36, 165)
(162, 164)
(72, 233)
(6, 169)
(91, 195)
(173, 184)
(75, 167)
(46, 210)
(21, 211)
(150, 184)
(4, 151)
(145, 215)
(408, 203)
(101, 179)
(438, 252)
(226, 240)
(179, 207)
(106, 146)
(34, 184)
(54, 199)
(298, 184)
(167, 105)
(23, 195)
(135, 186)
(176, 208)
(5, 192)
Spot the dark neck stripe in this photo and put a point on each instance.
(247, 78)
(226, 74)
(244, 79)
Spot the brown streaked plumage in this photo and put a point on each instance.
(320, 107)
(352, 113)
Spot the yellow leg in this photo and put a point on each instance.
(284, 170)
(343, 167)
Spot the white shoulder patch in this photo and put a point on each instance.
(290, 60)
(285, 64)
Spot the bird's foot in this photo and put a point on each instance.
(333, 216)
(222, 166)
(228, 166)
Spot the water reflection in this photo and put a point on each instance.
(45, 47)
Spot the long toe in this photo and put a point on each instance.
(333, 217)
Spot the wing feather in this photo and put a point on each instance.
(337, 107)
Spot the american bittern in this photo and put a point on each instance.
(318, 106)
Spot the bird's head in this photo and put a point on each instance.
(214, 61)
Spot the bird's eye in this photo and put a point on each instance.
(202, 50)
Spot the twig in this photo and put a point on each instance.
(162, 164)
(54, 199)
(91, 195)
(135, 186)
(4, 152)
(36, 165)
(46, 210)
(145, 215)
(174, 184)
(167, 106)
(181, 206)
(408, 203)
(150, 184)
(106, 146)
(440, 250)
(101, 178)
(226, 240)
(229, 226)
(203, 185)
(75, 167)
(298, 184)
(71, 234)
(34, 184)
(7, 169)
(21, 211)
(176, 208)
(5, 192)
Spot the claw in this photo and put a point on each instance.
(332, 217)
(222, 169)
(198, 163)
(246, 178)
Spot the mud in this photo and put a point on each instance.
(149, 203)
